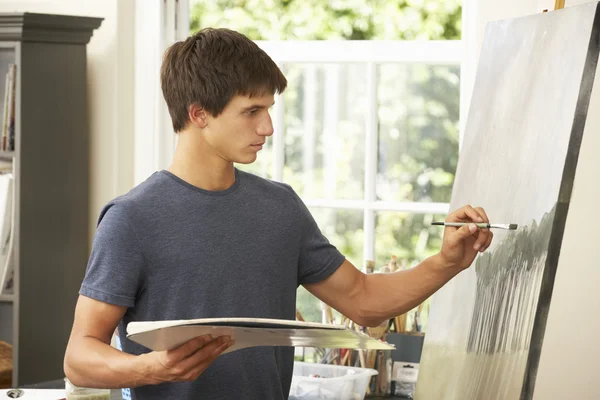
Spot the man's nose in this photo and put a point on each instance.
(266, 127)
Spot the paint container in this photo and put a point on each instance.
(405, 379)
(331, 382)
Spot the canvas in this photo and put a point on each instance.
(518, 161)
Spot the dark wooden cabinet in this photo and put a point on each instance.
(50, 165)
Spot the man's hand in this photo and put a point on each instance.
(90, 360)
(460, 245)
(186, 362)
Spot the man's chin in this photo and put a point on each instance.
(246, 160)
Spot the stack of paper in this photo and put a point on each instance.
(251, 332)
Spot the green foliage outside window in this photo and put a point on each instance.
(332, 19)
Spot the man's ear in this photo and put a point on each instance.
(198, 116)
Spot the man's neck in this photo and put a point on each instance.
(195, 165)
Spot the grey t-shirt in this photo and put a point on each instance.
(169, 250)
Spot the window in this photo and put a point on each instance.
(367, 131)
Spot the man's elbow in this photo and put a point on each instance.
(369, 322)
(70, 375)
(70, 370)
(366, 313)
(368, 319)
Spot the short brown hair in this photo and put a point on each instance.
(212, 66)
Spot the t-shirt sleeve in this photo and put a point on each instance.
(116, 261)
(318, 257)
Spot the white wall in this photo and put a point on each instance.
(110, 91)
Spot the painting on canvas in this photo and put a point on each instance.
(518, 161)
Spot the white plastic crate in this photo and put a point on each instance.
(334, 382)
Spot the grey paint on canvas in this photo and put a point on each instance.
(518, 161)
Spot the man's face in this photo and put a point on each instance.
(240, 131)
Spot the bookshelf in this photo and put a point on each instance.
(50, 167)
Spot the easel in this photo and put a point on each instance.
(558, 5)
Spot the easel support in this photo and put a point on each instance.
(558, 5)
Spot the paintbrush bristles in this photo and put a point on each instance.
(509, 227)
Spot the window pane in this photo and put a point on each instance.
(418, 132)
(344, 229)
(411, 238)
(263, 164)
(325, 107)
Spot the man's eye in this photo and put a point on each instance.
(251, 112)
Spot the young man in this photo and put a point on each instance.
(203, 239)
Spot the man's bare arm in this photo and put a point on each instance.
(90, 361)
(371, 299)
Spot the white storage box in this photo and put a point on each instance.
(331, 382)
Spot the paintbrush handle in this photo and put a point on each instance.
(459, 224)
(482, 225)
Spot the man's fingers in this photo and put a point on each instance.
(465, 231)
(485, 234)
(482, 214)
(219, 350)
(463, 214)
(202, 366)
(188, 348)
(482, 239)
(489, 241)
(203, 353)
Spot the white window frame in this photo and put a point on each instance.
(372, 53)
(158, 24)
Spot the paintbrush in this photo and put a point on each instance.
(508, 227)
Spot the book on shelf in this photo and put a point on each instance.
(8, 122)
(251, 332)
